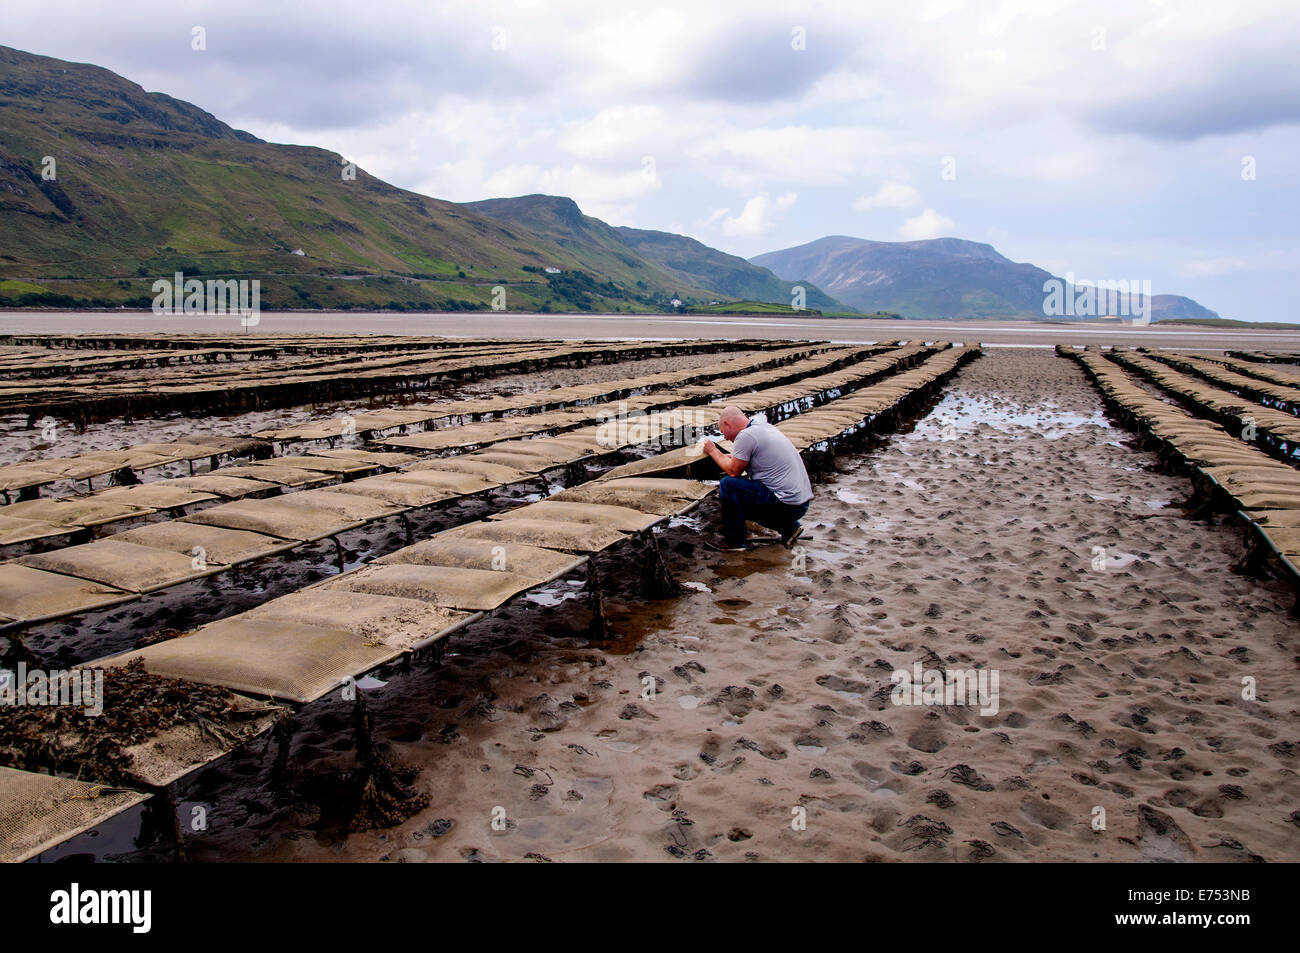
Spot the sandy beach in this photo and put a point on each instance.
(969, 541)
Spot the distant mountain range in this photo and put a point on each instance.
(106, 188)
(693, 265)
(937, 278)
(138, 186)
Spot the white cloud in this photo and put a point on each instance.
(1214, 267)
(641, 48)
(763, 151)
(929, 224)
(758, 215)
(889, 195)
(621, 133)
(1264, 259)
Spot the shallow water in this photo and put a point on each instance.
(960, 414)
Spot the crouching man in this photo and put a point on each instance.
(778, 491)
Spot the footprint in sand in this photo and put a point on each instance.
(810, 744)
(1046, 814)
(928, 739)
(1160, 838)
(664, 795)
(850, 687)
(738, 700)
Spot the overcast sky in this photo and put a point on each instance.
(1146, 139)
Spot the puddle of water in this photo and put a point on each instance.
(550, 596)
(901, 480)
(961, 414)
(688, 701)
(1115, 560)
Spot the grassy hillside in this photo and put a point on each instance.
(589, 245)
(750, 307)
(729, 274)
(145, 185)
(1232, 323)
(692, 271)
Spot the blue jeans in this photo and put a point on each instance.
(744, 499)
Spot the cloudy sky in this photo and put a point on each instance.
(1144, 139)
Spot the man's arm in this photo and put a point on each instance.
(728, 463)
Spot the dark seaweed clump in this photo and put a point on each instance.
(137, 706)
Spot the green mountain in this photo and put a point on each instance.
(586, 243)
(144, 185)
(729, 274)
(698, 271)
(936, 278)
(106, 188)
(1180, 308)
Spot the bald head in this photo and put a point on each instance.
(732, 421)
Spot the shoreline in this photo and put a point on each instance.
(626, 326)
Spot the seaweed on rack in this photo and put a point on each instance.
(66, 739)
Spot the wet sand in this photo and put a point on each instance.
(596, 326)
(968, 542)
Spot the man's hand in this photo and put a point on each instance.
(726, 462)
